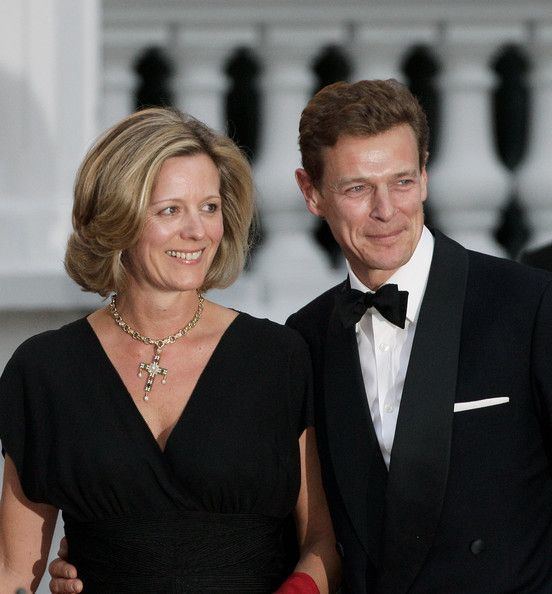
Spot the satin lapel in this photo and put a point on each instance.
(421, 448)
(357, 461)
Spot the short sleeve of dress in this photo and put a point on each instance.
(302, 386)
(24, 420)
(12, 413)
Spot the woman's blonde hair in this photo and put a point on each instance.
(113, 188)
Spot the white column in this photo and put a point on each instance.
(28, 97)
(289, 251)
(48, 61)
(78, 93)
(377, 50)
(122, 45)
(535, 178)
(467, 183)
(200, 58)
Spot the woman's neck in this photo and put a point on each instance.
(157, 314)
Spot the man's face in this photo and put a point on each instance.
(372, 194)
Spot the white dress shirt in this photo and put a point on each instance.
(384, 348)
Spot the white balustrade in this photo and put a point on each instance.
(57, 96)
(122, 46)
(200, 57)
(535, 178)
(377, 49)
(290, 268)
(467, 183)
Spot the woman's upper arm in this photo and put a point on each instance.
(311, 513)
(318, 556)
(26, 530)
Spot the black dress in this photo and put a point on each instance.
(207, 514)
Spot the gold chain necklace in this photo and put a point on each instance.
(153, 369)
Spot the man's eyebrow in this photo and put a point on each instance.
(406, 173)
(349, 180)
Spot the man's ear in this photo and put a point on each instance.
(423, 183)
(312, 197)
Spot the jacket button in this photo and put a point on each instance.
(477, 546)
(339, 549)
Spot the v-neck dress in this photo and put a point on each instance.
(208, 513)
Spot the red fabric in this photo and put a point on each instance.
(298, 583)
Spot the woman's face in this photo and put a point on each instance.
(184, 226)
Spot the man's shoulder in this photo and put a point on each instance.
(493, 268)
(539, 257)
(510, 271)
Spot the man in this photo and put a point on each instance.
(539, 257)
(433, 409)
(435, 437)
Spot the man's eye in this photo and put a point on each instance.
(358, 189)
(405, 182)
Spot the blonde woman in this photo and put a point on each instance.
(172, 432)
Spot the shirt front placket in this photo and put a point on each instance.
(385, 343)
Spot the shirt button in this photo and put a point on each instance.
(388, 408)
(477, 546)
(384, 347)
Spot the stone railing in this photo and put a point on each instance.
(469, 185)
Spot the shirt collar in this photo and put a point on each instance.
(411, 277)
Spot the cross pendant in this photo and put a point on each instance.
(152, 369)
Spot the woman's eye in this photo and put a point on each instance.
(211, 207)
(170, 210)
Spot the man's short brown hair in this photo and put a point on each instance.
(364, 108)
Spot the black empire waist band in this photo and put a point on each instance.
(179, 553)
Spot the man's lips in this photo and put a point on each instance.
(386, 235)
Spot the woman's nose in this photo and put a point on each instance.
(192, 227)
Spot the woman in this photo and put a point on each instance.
(172, 432)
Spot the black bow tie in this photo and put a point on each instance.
(388, 300)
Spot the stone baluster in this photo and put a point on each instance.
(467, 183)
(122, 44)
(377, 50)
(290, 268)
(535, 177)
(200, 57)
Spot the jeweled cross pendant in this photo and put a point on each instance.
(152, 369)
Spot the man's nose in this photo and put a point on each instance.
(383, 207)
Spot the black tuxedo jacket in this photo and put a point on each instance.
(466, 506)
(540, 258)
